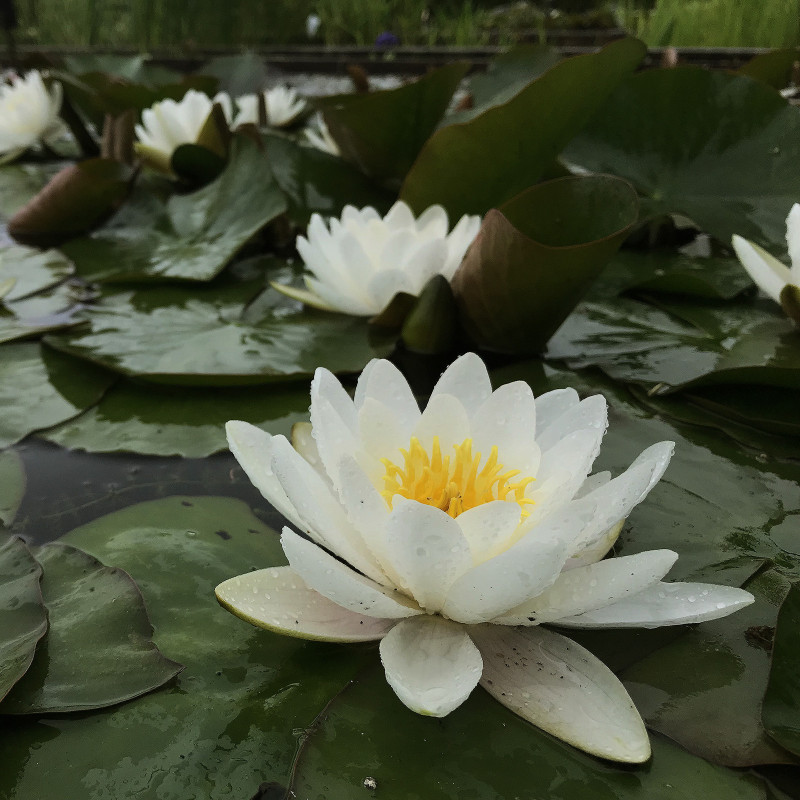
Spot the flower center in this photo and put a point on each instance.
(454, 483)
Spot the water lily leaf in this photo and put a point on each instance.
(133, 68)
(505, 77)
(98, 650)
(522, 136)
(168, 336)
(226, 725)
(40, 388)
(190, 237)
(407, 116)
(705, 689)
(781, 712)
(33, 270)
(197, 165)
(19, 183)
(316, 182)
(36, 315)
(431, 325)
(535, 257)
(75, 200)
(23, 617)
(773, 68)
(12, 485)
(243, 73)
(717, 148)
(185, 422)
(508, 758)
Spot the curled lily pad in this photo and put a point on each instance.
(382, 132)
(536, 256)
(98, 650)
(23, 617)
(190, 237)
(717, 148)
(40, 388)
(472, 167)
(781, 712)
(75, 200)
(19, 183)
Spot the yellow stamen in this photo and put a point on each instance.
(454, 484)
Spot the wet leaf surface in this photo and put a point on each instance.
(12, 485)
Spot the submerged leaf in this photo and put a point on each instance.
(98, 650)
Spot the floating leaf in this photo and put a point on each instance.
(705, 689)
(39, 314)
(168, 337)
(33, 271)
(185, 422)
(480, 750)
(12, 485)
(773, 67)
(717, 148)
(226, 724)
(382, 132)
(316, 182)
(535, 257)
(472, 167)
(23, 618)
(132, 68)
(75, 200)
(98, 650)
(781, 713)
(20, 183)
(40, 388)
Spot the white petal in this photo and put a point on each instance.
(334, 436)
(326, 384)
(252, 448)
(303, 441)
(433, 222)
(551, 405)
(277, 599)
(445, 417)
(567, 463)
(591, 587)
(386, 384)
(467, 379)
(489, 527)
(591, 413)
(323, 518)
(665, 604)
(427, 549)
(508, 420)
(381, 436)
(563, 689)
(523, 571)
(766, 271)
(399, 216)
(340, 584)
(793, 241)
(431, 664)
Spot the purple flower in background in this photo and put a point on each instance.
(387, 39)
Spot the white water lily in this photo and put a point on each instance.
(454, 534)
(360, 262)
(769, 274)
(317, 135)
(168, 124)
(281, 104)
(28, 113)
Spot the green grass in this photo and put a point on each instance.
(716, 23)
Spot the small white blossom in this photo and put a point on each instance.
(28, 113)
(282, 106)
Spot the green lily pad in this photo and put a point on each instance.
(98, 650)
(20, 183)
(133, 68)
(536, 256)
(773, 68)
(75, 200)
(185, 422)
(39, 314)
(232, 719)
(316, 182)
(12, 485)
(705, 689)
(717, 148)
(40, 388)
(23, 617)
(480, 164)
(32, 270)
(781, 711)
(167, 336)
(190, 237)
(382, 132)
(480, 750)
